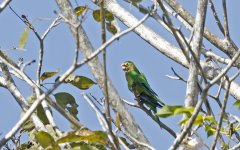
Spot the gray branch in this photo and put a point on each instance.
(197, 32)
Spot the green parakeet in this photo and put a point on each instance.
(138, 84)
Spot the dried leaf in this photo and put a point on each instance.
(118, 121)
(23, 39)
(80, 82)
(46, 75)
(111, 28)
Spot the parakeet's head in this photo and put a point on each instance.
(128, 66)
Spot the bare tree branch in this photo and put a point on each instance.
(221, 117)
(115, 141)
(225, 18)
(216, 16)
(102, 120)
(4, 5)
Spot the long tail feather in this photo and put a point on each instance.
(147, 99)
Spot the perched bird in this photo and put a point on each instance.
(138, 84)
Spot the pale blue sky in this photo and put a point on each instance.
(59, 52)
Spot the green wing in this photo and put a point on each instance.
(145, 88)
(138, 84)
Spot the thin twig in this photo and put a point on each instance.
(225, 70)
(221, 116)
(178, 76)
(225, 18)
(195, 58)
(137, 141)
(24, 65)
(101, 118)
(235, 76)
(174, 30)
(52, 25)
(216, 16)
(216, 57)
(130, 103)
(104, 53)
(161, 124)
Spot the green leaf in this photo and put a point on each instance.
(111, 28)
(183, 110)
(42, 115)
(87, 146)
(210, 130)
(23, 39)
(64, 99)
(237, 103)
(68, 102)
(80, 82)
(167, 111)
(46, 75)
(96, 15)
(44, 139)
(79, 10)
(226, 146)
(101, 133)
(40, 111)
(199, 120)
(109, 16)
(83, 135)
(210, 119)
(143, 10)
